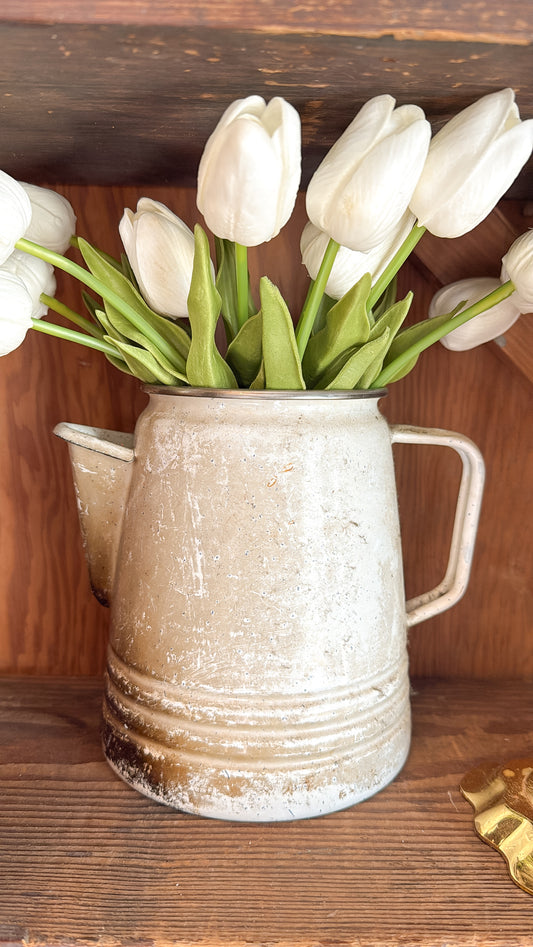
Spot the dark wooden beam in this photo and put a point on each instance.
(122, 104)
(454, 20)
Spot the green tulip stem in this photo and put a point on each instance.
(394, 265)
(492, 299)
(241, 274)
(314, 297)
(62, 310)
(83, 275)
(50, 328)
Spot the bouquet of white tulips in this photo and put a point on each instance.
(154, 312)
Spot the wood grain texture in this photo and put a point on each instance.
(85, 859)
(49, 622)
(134, 104)
(485, 21)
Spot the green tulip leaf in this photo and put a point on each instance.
(400, 360)
(282, 366)
(143, 343)
(127, 269)
(414, 334)
(245, 353)
(121, 365)
(259, 382)
(352, 371)
(112, 332)
(392, 319)
(142, 322)
(401, 372)
(144, 365)
(386, 300)
(324, 306)
(346, 325)
(205, 366)
(91, 304)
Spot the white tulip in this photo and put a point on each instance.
(363, 187)
(472, 162)
(15, 312)
(250, 171)
(350, 265)
(15, 214)
(517, 265)
(37, 276)
(53, 221)
(482, 328)
(160, 248)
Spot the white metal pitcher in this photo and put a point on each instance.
(249, 545)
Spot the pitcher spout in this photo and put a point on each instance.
(101, 468)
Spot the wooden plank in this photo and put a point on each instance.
(438, 19)
(113, 104)
(85, 859)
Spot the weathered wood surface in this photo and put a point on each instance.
(85, 859)
(106, 103)
(49, 622)
(437, 19)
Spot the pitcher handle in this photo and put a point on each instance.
(467, 511)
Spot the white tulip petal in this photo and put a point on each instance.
(15, 214)
(471, 163)
(249, 172)
(517, 265)
(342, 160)
(239, 197)
(475, 194)
(286, 140)
(350, 265)
(482, 328)
(125, 229)
(470, 132)
(53, 221)
(363, 186)
(164, 264)
(380, 190)
(36, 275)
(15, 312)
(160, 249)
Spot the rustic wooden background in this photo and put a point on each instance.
(114, 99)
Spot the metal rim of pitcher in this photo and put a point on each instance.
(267, 394)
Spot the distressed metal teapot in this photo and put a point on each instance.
(249, 546)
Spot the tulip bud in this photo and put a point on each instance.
(482, 328)
(15, 312)
(15, 214)
(362, 188)
(36, 275)
(472, 162)
(250, 169)
(517, 265)
(53, 221)
(350, 265)
(160, 248)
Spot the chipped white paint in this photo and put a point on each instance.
(257, 664)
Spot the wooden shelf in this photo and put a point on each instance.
(85, 859)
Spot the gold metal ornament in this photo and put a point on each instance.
(502, 798)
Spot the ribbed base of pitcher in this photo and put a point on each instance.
(257, 759)
(260, 800)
